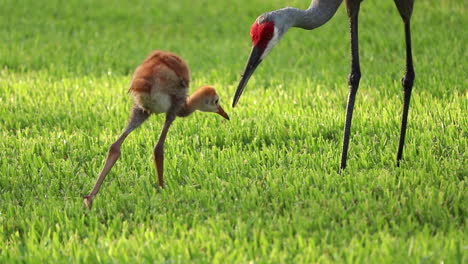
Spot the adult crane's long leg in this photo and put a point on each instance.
(159, 148)
(137, 117)
(354, 77)
(405, 7)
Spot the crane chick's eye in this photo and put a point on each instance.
(216, 101)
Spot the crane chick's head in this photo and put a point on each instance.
(206, 99)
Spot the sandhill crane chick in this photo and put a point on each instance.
(159, 85)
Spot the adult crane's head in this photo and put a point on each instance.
(265, 33)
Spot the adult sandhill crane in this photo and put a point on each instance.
(159, 85)
(270, 27)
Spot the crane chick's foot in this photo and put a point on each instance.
(88, 201)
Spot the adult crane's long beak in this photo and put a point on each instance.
(252, 63)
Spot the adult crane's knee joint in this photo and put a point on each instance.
(354, 78)
(408, 80)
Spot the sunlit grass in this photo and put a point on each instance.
(263, 187)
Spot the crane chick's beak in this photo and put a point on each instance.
(254, 60)
(222, 113)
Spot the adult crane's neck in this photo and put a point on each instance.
(318, 13)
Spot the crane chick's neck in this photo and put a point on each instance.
(188, 108)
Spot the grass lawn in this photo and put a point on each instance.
(262, 188)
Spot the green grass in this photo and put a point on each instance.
(261, 188)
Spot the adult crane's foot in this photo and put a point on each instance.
(88, 201)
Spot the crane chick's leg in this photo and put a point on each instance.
(159, 149)
(352, 7)
(138, 116)
(405, 7)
